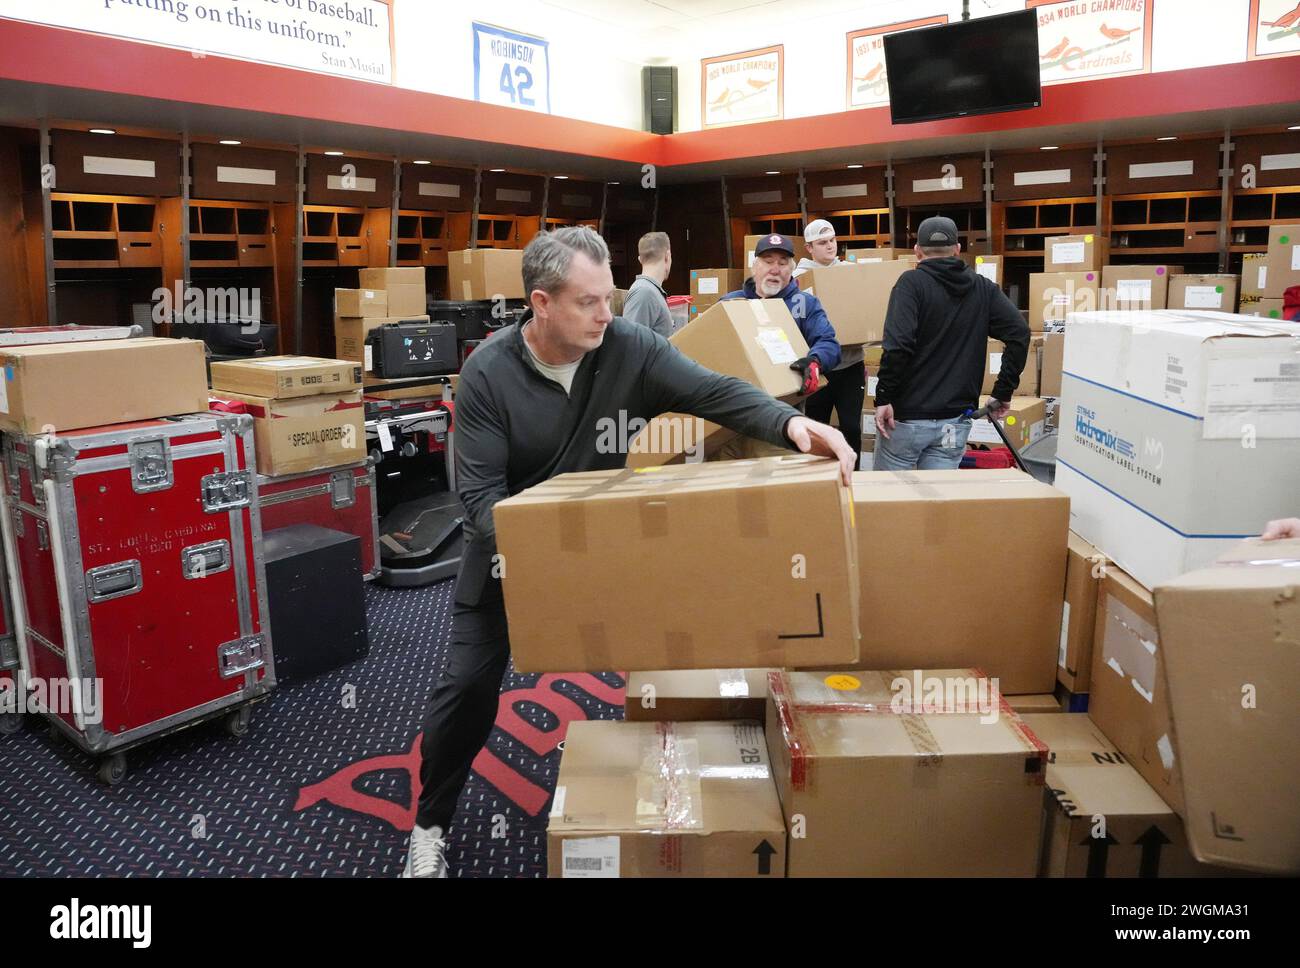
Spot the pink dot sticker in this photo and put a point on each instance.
(1091, 277)
(1160, 270)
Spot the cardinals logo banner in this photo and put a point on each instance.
(740, 88)
(1082, 39)
(868, 85)
(1274, 28)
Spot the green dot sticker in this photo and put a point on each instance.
(1274, 314)
(1218, 289)
(1011, 421)
(1285, 239)
(843, 683)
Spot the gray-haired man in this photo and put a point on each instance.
(531, 403)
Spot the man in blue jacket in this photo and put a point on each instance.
(772, 277)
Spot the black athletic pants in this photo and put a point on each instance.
(845, 392)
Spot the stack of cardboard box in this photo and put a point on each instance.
(1265, 277)
(307, 412)
(385, 296)
(708, 286)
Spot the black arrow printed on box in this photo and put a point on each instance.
(1098, 853)
(764, 852)
(1152, 841)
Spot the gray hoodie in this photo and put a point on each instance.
(850, 355)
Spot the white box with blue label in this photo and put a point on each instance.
(1179, 434)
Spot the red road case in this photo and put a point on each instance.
(10, 720)
(340, 498)
(139, 551)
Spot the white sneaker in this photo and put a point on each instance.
(426, 856)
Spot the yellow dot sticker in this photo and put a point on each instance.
(1087, 238)
(1011, 421)
(843, 683)
(979, 260)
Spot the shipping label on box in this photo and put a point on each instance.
(566, 568)
(1136, 287)
(1074, 253)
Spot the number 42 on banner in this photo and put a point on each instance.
(511, 69)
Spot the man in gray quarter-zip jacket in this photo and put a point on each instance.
(532, 403)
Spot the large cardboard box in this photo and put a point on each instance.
(1028, 386)
(1102, 819)
(1127, 697)
(696, 695)
(1150, 401)
(783, 586)
(1282, 266)
(754, 340)
(350, 336)
(710, 285)
(855, 297)
(1254, 274)
(284, 377)
(305, 433)
(360, 302)
(65, 386)
(486, 274)
(404, 291)
(1216, 292)
(1023, 424)
(665, 800)
(751, 242)
(881, 782)
(1054, 295)
(882, 254)
(386, 278)
(1084, 568)
(1264, 308)
(1229, 635)
(913, 526)
(1136, 287)
(988, 266)
(1036, 703)
(1074, 253)
(1050, 361)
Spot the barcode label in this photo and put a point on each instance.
(1289, 370)
(590, 857)
(582, 864)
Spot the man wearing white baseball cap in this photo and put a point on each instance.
(846, 385)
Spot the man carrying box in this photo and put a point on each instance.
(531, 404)
(846, 384)
(940, 318)
(646, 301)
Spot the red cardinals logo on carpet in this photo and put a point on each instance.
(340, 789)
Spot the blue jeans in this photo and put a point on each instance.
(926, 445)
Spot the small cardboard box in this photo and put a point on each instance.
(1054, 295)
(350, 336)
(1216, 292)
(387, 278)
(1036, 703)
(710, 285)
(904, 774)
(1023, 424)
(284, 377)
(1127, 697)
(1088, 778)
(360, 302)
(988, 266)
(696, 695)
(882, 254)
(302, 434)
(66, 386)
(1282, 266)
(1136, 287)
(665, 800)
(1254, 274)
(1028, 386)
(1264, 308)
(406, 302)
(1229, 635)
(1084, 568)
(910, 526)
(855, 297)
(577, 600)
(1074, 253)
(486, 274)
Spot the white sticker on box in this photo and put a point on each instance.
(1166, 750)
(1263, 278)
(1202, 297)
(385, 437)
(732, 684)
(590, 857)
(370, 358)
(983, 432)
(1133, 290)
(1061, 299)
(1259, 393)
(989, 270)
(872, 381)
(749, 260)
(368, 294)
(4, 391)
(1068, 253)
(1295, 258)
(776, 344)
(708, 286)
(995, 363)
(1065, 634)
(557, 803)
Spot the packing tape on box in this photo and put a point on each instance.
(732, 683)
(594, 642)
(679, 649)
(1129, 647)
(668, 794)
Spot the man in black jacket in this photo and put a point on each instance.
(941, 316)
(534, 402)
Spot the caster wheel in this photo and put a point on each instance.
(237, 723)
(10, 723)
(112, 769)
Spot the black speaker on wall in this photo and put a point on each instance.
(659, 98)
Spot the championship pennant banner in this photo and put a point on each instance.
(868, 85)
(740, 88)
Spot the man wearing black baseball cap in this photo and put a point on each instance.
(941, 316)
